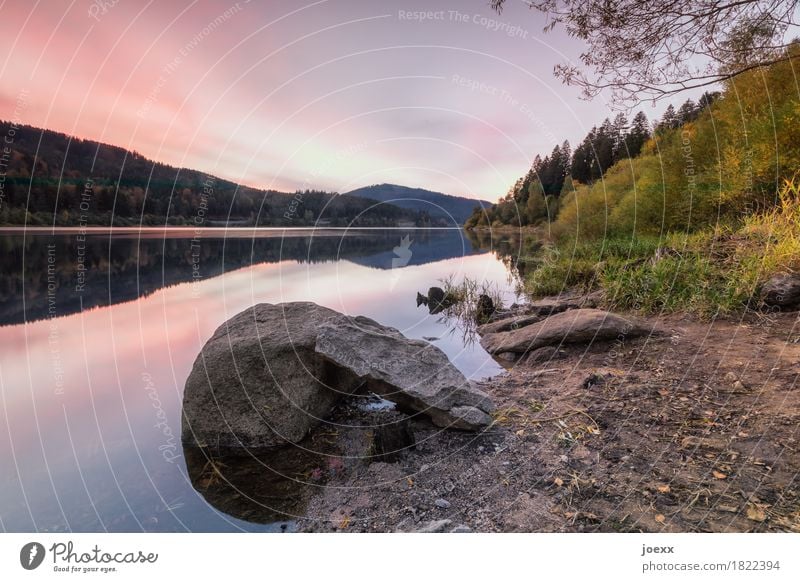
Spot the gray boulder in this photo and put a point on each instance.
(782, 291)
(568, 327)
(259, 383)
(273, 372)
(416, 375)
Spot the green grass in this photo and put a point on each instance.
(707, 273)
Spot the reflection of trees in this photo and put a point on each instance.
(516, 250)
(122, 268)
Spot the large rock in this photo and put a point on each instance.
(509, 323)
(414, 374)
(259, 383)
(568, 327)
(782, 291)
(273, 372)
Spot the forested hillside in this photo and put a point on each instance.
(538, 195)
(693, 212)
(50, 178)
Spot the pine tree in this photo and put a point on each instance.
(687, 112)
(669, 120)
(620, 133)
(637, 136)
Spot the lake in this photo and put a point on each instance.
(99, 333)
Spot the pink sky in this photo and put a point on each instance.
(333, 94)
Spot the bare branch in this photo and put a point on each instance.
(648, 49)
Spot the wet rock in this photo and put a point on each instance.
(437, 300)
(782, 291)
(436, 297)
(413, 373)
(575, 326)
(485, 308)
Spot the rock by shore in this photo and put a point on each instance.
(528, 333)
(273, 372)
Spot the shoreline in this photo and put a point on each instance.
(692, 430)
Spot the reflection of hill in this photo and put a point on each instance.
(123, 268)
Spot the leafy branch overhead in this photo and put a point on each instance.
(648, 49)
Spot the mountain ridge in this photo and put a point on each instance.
(455, 209)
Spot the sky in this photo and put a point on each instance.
(327, 94)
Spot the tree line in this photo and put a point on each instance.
(537, 196)
(49, 178)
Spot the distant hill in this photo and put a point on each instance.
(436, 204)
(53, 178)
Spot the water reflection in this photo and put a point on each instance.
(91, 397)
(97, 270)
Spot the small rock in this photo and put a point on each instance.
(782, 291)
(442, 503)
(485, 308)
(437, 526)
(594, 380)
(438, 300)
(461, 529)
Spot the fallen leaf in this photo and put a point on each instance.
(755, 513)
(660, 518)
(558, 481)
(718, 475)
(410, 481)
(663, 488)
(345, 522)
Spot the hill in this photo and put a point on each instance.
(436, 204)
(49, 178)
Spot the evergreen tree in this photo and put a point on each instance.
(687, 112)
(638, 134)
(669, 120)
(620, 133)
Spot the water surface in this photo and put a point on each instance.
(99, 332)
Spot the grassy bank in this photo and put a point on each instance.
(713, 271)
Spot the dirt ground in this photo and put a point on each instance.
(692, 431)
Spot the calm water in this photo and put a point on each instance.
(98, 337)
